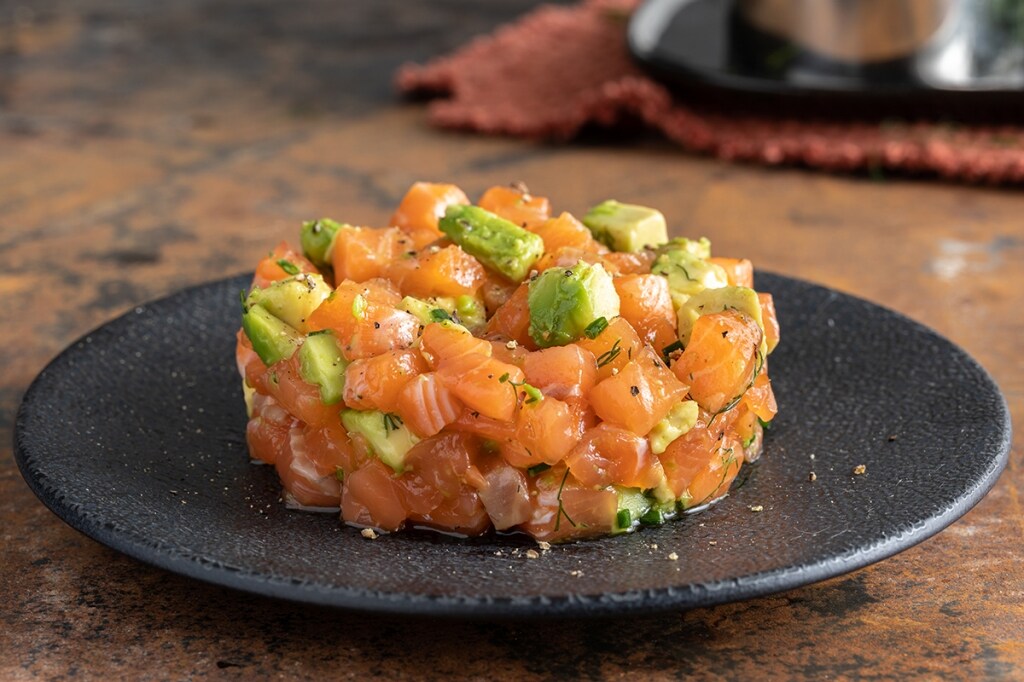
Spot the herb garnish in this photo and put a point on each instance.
(288, 266)
(595, 328)
(392, 422)
(537, 469)
(561, 508)
(671, 348)
(532, 393)
(609, 355)
(439, 315)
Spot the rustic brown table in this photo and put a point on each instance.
(148, 146)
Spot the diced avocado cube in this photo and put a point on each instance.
(564, 302)
(248, 392)
(716, 300)
(659, 513)
(317, 239)
(677, 422)
(418, 308)
(687, 274)
(626, 227)
(272, 339)
(446, 310)
(293, 299)
(387, 436)
(499, 244)
(700, 248)
(471, 310)
(322, 364)
(633, 504)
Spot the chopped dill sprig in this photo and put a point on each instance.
(561, 507)
(392, 422)
(609, 355)
(595, 328)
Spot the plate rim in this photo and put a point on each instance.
(640, 601)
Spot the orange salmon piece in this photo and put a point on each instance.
(548, 429)
(363, 253)
(442, 341)
(562, 371)
(770, 319)
(613, 347)
(365, 320)
(370, 496)
(421, 208)
(720, 359)
(516, 206)
(644, 302)
(512, 319)
(628, 263)
(440, 272)
(375, 383)
(739, 272)
(427, 406)
(609, 455)
(476, 380)
(639, 395)
(272, 267)
(566, 231)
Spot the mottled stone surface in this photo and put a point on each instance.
(147, 146)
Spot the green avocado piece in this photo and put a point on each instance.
(293, 299)
(700, 248)
(388, 437)
(677, 422)
(626, 227)
(687, 274)
(471, 310)
(322, 364)
(272, 339)
(466, 311)
(317, 239)
(564, 302)
(716, 300)
(659, 513)
(499, 244)
(418, 308)
(633, 504)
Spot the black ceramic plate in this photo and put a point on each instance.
(135, 436)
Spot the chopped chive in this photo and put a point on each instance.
(671, 348)
(503, 378)
(653, 517)
(439, 315)
(533, 393)
(764, 425)
(319, 332)
(339, 474)
(623, 519)
(537, 469)
(288, 266)
(595, 328)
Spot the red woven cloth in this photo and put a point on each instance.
(559, 68)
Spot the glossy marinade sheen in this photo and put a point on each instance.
(497, 366)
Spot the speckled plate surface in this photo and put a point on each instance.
(135, 436)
